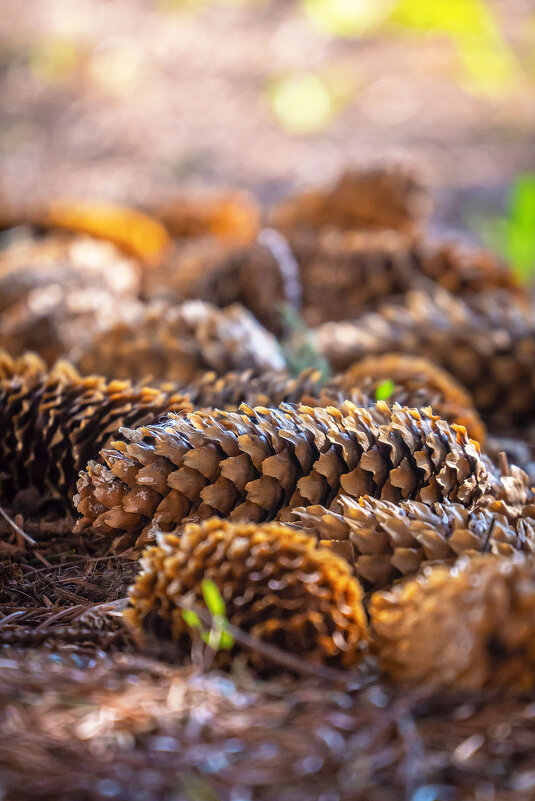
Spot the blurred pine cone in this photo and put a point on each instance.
(465, 271)
(54, 422)
(179, 343)
(261, 463)
(467, 627)
(230, 216)
(413, 382)
(489, 345)
(56, 290)
(385, 541)
(277, 585)
(271, 388)
(390, 197)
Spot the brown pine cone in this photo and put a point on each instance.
(54, 422)
(229, 216)
(416, 382)
(132, 231)
(389, 197)
(465, 627)
(274, 387)
(465, 271)
(261, 463)
(277, 585)
(489, 345)
(57, 290)
(386, 541)
(180, 343)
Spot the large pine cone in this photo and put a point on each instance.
(386, 541)
(277, 585)
(465, 628)
(389, 197)
(489, 345)
(180, 343)
(58, 289)
(261, 463)
(416, 382)
(54, 422)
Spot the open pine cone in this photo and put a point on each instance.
(180, 343)
(467, 627)
(389, 197)
(261, 463)
(386, 541)
(54, 422)
(416, 382)
(56, 290)
(487, 345)
(277, 585)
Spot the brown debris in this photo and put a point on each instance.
(466, 627)
(260, 463)
(275, 582)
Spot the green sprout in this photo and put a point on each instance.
(384, 390)
(298, 347)
(513, 235)
(217, 637)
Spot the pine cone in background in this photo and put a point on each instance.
(390, 197)
(230, 216)
(261, 463)
(277, 585)
(132, 231)
(272, 388)
(489, 345)
(463, 628)
(54, 422)
(57, 289)
(179, 343)
(416, 382)
(385, 541)
(465, 271)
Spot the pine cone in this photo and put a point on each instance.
(270, 389)
(467, 627)
(261, 463)
(58, 289)
(54, 422)
(180, 343)
(229, 216)
(465, 271)
(132, 231)
(488, 346)
(360, 199)
(385, 541)
(277, 585)
(416, 382)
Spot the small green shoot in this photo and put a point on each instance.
(298, 347)
(217, 638)
(513, 236)
(384, 390)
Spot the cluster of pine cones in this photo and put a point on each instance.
(145, 387)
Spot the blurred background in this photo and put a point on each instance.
(128, 99)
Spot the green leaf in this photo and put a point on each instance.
(521, 229)
(384, 390)
(191, 618)
(347, 18)
(212, 598)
